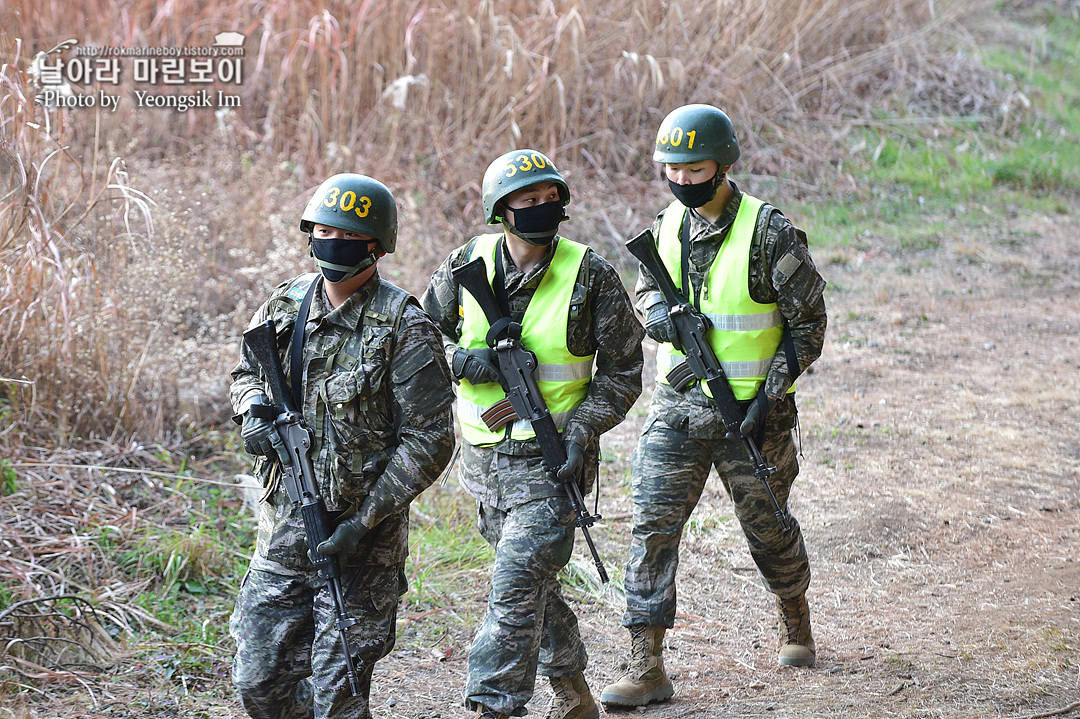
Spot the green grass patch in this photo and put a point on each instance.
(447, 555)
(9, 483)
(909, 172)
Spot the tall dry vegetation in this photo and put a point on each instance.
(119, 310)
(443, 85)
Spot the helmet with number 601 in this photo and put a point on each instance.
(514, 171)
(693, 133)
(356, 203)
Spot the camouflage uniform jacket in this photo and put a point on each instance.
(376, 394)
(601, 320)
(798, 295)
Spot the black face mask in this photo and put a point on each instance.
(538, 224)
(698, 194)
(338, 260)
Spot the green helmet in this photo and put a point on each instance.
(356, 203)
(516, 170)
(693, 133)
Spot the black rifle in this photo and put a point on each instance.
(701, 363)
(523, 399)
(293, 441)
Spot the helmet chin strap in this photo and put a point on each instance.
(350, 271)
(536, 239)
(718, 181)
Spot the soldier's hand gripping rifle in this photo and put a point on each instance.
(293, 441)
(701, 362)
(517, 366)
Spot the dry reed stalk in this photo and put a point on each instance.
(421, 94)
(376, 79)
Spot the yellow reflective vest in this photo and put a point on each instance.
(563, 377)
(745, 334)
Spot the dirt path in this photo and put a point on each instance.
(939, 497)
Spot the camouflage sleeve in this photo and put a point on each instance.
(422, 394)
(617, 336)
(788, 275)
(440, 301)
(646, 291)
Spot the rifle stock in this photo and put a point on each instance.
(517, 365)
(262, 341)
(691, 327)
(298, 476)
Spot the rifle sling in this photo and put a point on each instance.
(499, 285)
(684, 260)
(296, 345)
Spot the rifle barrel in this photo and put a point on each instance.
(299, 479)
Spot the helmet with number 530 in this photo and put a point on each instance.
(693, 133)
(356, 203)
(516, 170)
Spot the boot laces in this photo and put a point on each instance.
(562, 698)
(791, 616)
(639, 645)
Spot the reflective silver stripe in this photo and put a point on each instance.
(746, 323)
(469, 412)
(734, 370)
(751, 368)
(561, 420)
(564, 372)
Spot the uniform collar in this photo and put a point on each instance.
(515, 276)
(350, 313)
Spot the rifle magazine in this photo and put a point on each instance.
(499, 415)
(681, 376)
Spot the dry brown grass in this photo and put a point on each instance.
(445, 85)
(120, 309)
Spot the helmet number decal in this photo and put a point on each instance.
(363, 205)
(525, 163)
(331, 198)
(675, 138)
(347, 201)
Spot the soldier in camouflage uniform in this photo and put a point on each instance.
(376, 391)
(752, 276)
(574, 310)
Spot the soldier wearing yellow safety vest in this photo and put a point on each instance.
(748, 270)
(577, 318)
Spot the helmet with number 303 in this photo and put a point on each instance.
(514, 171)
(693, 133)
(356, 203)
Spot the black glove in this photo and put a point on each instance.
(478, 365)
(658, 324)
(345, 539)
(575, 462)
(258, 433)
(755, 415)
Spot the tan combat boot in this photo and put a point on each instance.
(572, 699)
(645, 680)
(796, 645)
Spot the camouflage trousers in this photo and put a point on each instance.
(529, 628)
(668, 474)
(289, 660)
